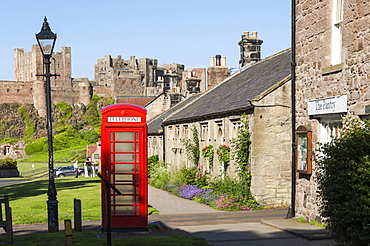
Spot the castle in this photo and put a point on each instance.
(138, 81)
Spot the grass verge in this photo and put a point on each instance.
(302, 220)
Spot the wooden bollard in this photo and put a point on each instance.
(68, 229)
(77, 215)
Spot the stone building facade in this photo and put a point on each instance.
(261, 92)
(332, 82)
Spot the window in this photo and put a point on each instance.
(336, 36)
(304, 150)
(204, 131)
(185, 131)
(329, 129)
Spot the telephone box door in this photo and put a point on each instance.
(124, 164)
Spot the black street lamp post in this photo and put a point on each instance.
(46, 40)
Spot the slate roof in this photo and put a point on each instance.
(137, 100)
(232, 94)
(155, 124)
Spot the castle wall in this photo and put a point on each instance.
(16, 91)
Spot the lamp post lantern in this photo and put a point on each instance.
(46, 40)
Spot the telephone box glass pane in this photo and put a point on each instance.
(124, 157)
(124, 177)
(125, 199)
(126, 189)
(124, 168)
(124, 136)
(121, 147)
(125, 210)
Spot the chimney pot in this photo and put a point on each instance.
(254, 35)
(246, 34)
(212, 61)
(223, 61)
(218, 60)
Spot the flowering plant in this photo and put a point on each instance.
(234, 203)
(223, 153)
(208, 153)
(193, 192)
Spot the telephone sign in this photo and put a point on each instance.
(124, 165)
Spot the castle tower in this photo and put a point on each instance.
(250, 49)
(217, 72)
(39, 97)
(85, 90)
(28, 64)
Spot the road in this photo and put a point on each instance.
(10, 182)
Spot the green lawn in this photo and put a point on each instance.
(28, 199)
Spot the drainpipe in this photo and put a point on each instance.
(163, 144)
(291, 212)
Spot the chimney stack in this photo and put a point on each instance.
(250, 49)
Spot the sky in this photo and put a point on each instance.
(184, 32)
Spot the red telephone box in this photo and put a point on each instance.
(124, 165)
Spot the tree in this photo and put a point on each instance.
(344, 183)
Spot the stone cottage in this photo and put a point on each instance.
(332, 82)
(261, 91)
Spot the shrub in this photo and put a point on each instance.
(230, 186)
(344, 183)
(152, 164)
(160, 177)
(68, 139)
(65, 110)
(8, 163)
(188, 175)
(39, 146)
(90, 136)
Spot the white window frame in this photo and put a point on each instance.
(329, 129)
(336, 34)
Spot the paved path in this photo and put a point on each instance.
(10, 182)
(222, 228)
